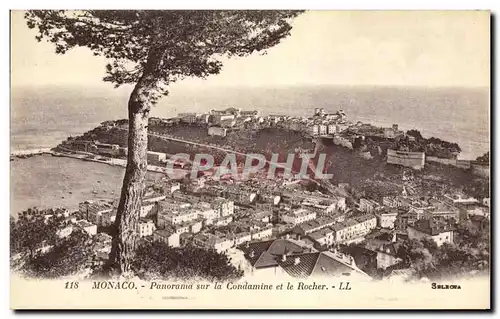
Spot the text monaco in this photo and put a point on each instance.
(126, 285)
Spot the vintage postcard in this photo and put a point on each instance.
(218, 159)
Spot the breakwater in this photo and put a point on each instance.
(30, 152)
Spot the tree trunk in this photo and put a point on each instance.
(141, 99)
(124, 241)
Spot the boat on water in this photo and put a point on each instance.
(57, 154)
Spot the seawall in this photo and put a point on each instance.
(35, 151)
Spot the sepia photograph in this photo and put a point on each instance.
(250, 159)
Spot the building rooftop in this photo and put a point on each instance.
(83, 223)
(364, 218)
(164, 232)
(317, 264)
(431, 226)
(271, 249)
(321, 233)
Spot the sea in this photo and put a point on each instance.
(41, 117)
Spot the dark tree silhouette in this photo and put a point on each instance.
(155, 260)
(66, 257)
(485, 158)
(33, 229)
(415, 133)
(151, 49)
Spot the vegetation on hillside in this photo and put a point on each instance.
(485, 158)
(156, 260)
(469, 253)
(415, 142)
(37, 251)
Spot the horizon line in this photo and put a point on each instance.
(179, 85)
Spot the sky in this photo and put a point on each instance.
(385, 48)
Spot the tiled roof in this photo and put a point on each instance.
(299, 266)
(265, 260)
(316, 263)
(321, 233)
(163, 232)
(363, 218)
(264, 254)
(350, 222)
(282, 246)
(326, 265)
(257, 249)
(338, 226)
(431, 227)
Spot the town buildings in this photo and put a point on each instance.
(354, 229)
(145, 227)
(99, 213)
(433, 229)
(217, 131)
(367, 205)
(256, 215)
(87, 227)
(167, 236)
(298, 216)
(210, 241)
(387, 219)
(292, 259)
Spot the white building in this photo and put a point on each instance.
(325, 236)
(145, 227)
(368, 205)
(439, 232)
(176, 216)
(224, 206)
(298, 216)
(387, 219)
(89, 228)
(218, 119)
(146, 208)
(332, 128)
(323, 129)
(98, 213)
(195, 226)
(180, 228)
(486, 201)
(217, 131)
(189, 117)
(223, 221)
(242, 238)
(314, 129)
(262, 233)
(209, 241)
(65, 232)
(156, 156)
(354, 228)
(168, 237)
